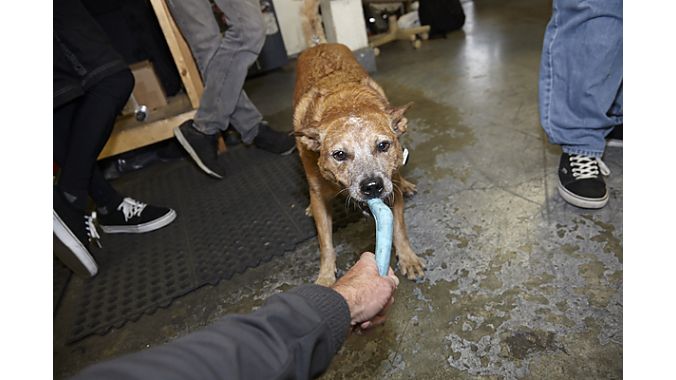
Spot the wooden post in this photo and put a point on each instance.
(190, 75)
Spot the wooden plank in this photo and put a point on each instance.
(190, 75)
(124, 139)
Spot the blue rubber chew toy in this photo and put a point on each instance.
(384, 221)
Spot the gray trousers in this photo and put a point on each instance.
(223, 60)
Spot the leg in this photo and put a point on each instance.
(581, 74)
(580, 93)
(409, 263)
(223, 61)
(322, 213)
(407, 188)
(246, 118)
(81, 130)
(102, 192)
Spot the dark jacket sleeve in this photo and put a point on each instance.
(293, 336)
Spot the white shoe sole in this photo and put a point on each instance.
(186, 145)
(288, 152)
(576, 200)
(141, 228)
(66, 236)
(612, 143)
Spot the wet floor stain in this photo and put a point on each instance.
(524, 343)
(434, 128)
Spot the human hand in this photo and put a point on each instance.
(368, 294)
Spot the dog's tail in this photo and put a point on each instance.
(312, 23)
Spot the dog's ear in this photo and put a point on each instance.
(309, 137)
(305, 117)
(399, 122)
(371, 83)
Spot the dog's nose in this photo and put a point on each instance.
(371, 187)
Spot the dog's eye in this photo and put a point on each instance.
(339, 155)
(383, 146)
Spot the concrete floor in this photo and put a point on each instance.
(519, 284)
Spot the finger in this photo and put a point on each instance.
(369, 260)
(394, 278)
(376, 321)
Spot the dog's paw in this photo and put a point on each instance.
(411, 266)
(308, 211)
(326, 279)
(408, 188)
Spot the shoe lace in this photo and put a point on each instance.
(90, 226)
(587, 167)
(131, 208)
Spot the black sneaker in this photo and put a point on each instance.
(614, 138)
(581, 180)
(75, 231)
(132, 216)
(202, 148)
(274, 141)
(231, 137)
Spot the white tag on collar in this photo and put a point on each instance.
(405, 156)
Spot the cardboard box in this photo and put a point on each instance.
(147, 91)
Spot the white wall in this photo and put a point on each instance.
(343, 22)
(288, 16)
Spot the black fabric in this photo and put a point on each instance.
(293, 336)
(81, 129)
(135, 34)
(60, 279)
(82, 52)
(222, 228)
(329, 305)
(615, 133)
(100, 190)
(442, 16)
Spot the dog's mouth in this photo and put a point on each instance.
(362, 202)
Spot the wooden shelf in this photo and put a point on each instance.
(128, 133)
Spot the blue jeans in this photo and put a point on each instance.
(580, 87)
(223, 60)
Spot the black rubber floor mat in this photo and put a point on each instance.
(222, 228)
(60, 279)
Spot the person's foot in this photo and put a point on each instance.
(202, 148)
(614, 138)
(74, 230)
(274, 141)
(231, 137)
(132, 216)
(581, 180)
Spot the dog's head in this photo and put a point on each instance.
(359, 152)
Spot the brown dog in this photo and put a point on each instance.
(347, 137)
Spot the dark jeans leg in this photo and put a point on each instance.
(81, 129)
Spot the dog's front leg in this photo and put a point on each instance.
(322, 213)
(409, 263)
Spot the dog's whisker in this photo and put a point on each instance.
(396, 187)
